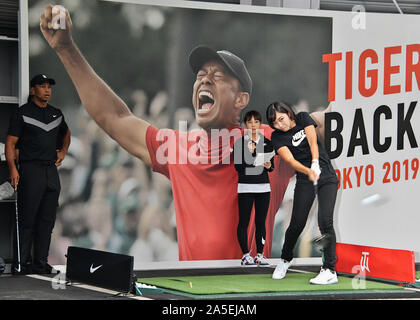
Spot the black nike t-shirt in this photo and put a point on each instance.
(295, 140)
(40, 131)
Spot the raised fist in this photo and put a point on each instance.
(56, 26)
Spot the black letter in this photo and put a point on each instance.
(336, 134)
(358, 125)
(404, 125)
(376, 128)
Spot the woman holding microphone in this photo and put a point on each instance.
(253, 186)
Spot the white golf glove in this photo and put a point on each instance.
(315, 167)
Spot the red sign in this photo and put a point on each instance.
(391, 264)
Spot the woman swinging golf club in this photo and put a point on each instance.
(296, 142)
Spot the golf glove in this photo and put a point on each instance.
(315, 167)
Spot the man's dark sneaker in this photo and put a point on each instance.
(46, 270)
(24, 270)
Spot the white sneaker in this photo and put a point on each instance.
(281, 269)
(325, 276)
(247, 260)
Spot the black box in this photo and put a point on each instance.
(99, 268)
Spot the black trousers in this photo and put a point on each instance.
(38, 192)
(304, 196)
(245, 202)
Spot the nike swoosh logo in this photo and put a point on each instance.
(301, 136)
(92, 269)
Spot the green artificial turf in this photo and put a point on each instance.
(260, 283)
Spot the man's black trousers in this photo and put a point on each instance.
(38, 192)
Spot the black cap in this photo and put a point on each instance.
(40, 79)
(202, 54)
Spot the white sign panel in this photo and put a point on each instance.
(374, 79)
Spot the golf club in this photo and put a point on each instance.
(17, 233)
(321, 241)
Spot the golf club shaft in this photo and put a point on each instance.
(17, 230)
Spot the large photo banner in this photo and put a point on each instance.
(132, 192)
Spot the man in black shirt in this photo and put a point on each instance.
(38, 139)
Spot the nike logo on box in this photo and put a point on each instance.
(92, 269)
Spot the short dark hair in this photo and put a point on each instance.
(282, 107)
(252, 113)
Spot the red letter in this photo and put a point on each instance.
(331, 58)
(346, 178)
(339, 177)
(412, 68)
(349, 74)
(372, 74)
(359, 171)
(389, 70)
(369, 175)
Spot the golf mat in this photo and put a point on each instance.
(417, 283)
(260, 284)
